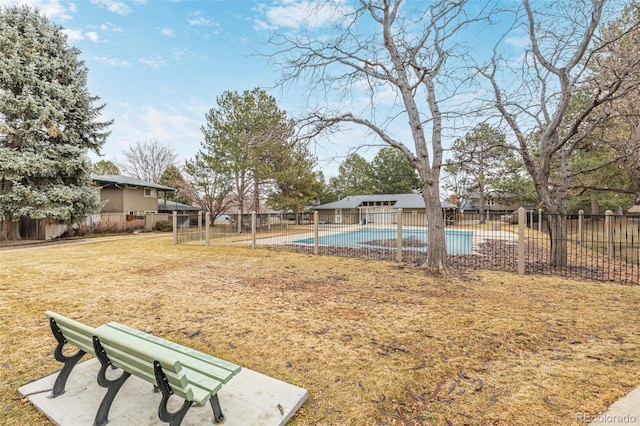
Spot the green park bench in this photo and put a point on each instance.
(173, 369)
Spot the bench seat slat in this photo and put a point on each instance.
(214, 367)
(202, 381)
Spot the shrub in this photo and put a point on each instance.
(164, 226)
(105, 228)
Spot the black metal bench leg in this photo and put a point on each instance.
(68, 361)
(218, 417)
(175, 418)
(113, 386)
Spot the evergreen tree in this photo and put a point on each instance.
(48, 122)
(393, 173)
(296, 184)
(355, 177)
(172, 177)
(105, 167)
(484, 159)
(249, 137)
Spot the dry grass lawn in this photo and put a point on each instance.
(373, 342)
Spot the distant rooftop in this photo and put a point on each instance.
(398, 201)
(128, 181)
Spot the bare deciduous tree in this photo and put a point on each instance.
(379, 47)
(208, 188)
(147, 160)
(621, 132)
(564, 42)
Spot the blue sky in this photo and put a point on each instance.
(160, 64)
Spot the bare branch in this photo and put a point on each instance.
(147, 160)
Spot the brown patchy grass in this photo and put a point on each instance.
(373, 342)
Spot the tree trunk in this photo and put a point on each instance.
(241, 211)
(436, 261)
(10, 230)
(557, 225)
(256, 197)
(482, 203)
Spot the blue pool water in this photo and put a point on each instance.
(458, 242)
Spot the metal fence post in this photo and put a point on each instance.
(253, 229)
(399, 236)
(207, 225)
(175, 227)
(521, 226)
(580, 222)
(608, 230)
(316, 226)
(199, 224)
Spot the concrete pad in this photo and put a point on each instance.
(625, 411)
(250, 398)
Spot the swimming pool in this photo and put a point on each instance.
(457, 242)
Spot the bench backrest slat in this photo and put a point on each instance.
(76, 333)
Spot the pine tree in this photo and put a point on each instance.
(393, 174)
(48, 122)
(355, 177)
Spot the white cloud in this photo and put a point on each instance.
(178, 126)
(153, 61)
(118, 7)
(178, 54)
(520, 42)
(77, 35)
(300, 14)
(93, 36)
(167, 32)
(108, 60)
(108, 26)
(53, 9)
(73, 35)
(196, 19)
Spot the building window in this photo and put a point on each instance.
(491, 202)
(150, 192)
